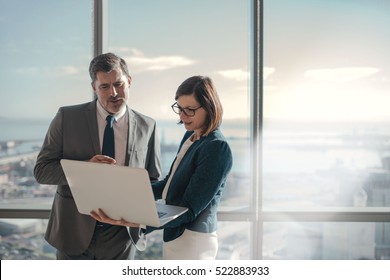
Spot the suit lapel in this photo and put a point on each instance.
(130, 136)
(90, 116)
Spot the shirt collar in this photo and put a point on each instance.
(103, 113)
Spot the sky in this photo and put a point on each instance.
(323, 59)
(327, 60)
(164, 42)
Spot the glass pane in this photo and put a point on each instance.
(22, 239)
(326, 241)
(45, 52)
(165, 42)
(233, 242)
(326, 96)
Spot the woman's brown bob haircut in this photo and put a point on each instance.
(205, 93)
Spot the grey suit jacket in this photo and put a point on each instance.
(73, 134)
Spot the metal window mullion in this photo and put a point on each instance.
(99, 26)
(379, 215)
(256, 123)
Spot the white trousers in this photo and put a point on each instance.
(192, 245)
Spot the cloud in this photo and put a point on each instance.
(138, 62)
(241, 75)
(346, 74)
(47, 71)
(69, 70)
(234, 74)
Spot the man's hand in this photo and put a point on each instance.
(103, 159)
(102, 217)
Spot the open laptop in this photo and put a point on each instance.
(120, 191)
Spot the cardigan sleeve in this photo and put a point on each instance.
(158, 188)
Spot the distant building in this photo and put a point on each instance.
(18, 226)
(378, 195)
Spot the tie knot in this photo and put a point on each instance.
(110, 120)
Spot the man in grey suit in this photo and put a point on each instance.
(76, 132)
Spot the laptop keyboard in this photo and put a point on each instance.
(161, 214)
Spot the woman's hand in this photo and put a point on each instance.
(102, 217)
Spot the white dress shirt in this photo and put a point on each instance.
(121, 128)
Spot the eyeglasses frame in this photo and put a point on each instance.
(182, 110)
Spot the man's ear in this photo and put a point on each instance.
(129, 80)
(93, 87)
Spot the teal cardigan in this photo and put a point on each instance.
(197, 184)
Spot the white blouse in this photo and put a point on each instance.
(184, 148)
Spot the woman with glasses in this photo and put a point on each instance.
(197, 176)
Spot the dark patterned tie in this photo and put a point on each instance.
(108, 139)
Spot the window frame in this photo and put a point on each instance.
(256, 215)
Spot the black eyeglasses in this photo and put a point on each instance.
(187, 111)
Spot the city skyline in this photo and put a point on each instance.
(325, 119)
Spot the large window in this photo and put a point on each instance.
(310, 137)
(165, 42)
(45, 48)
(326, 124)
